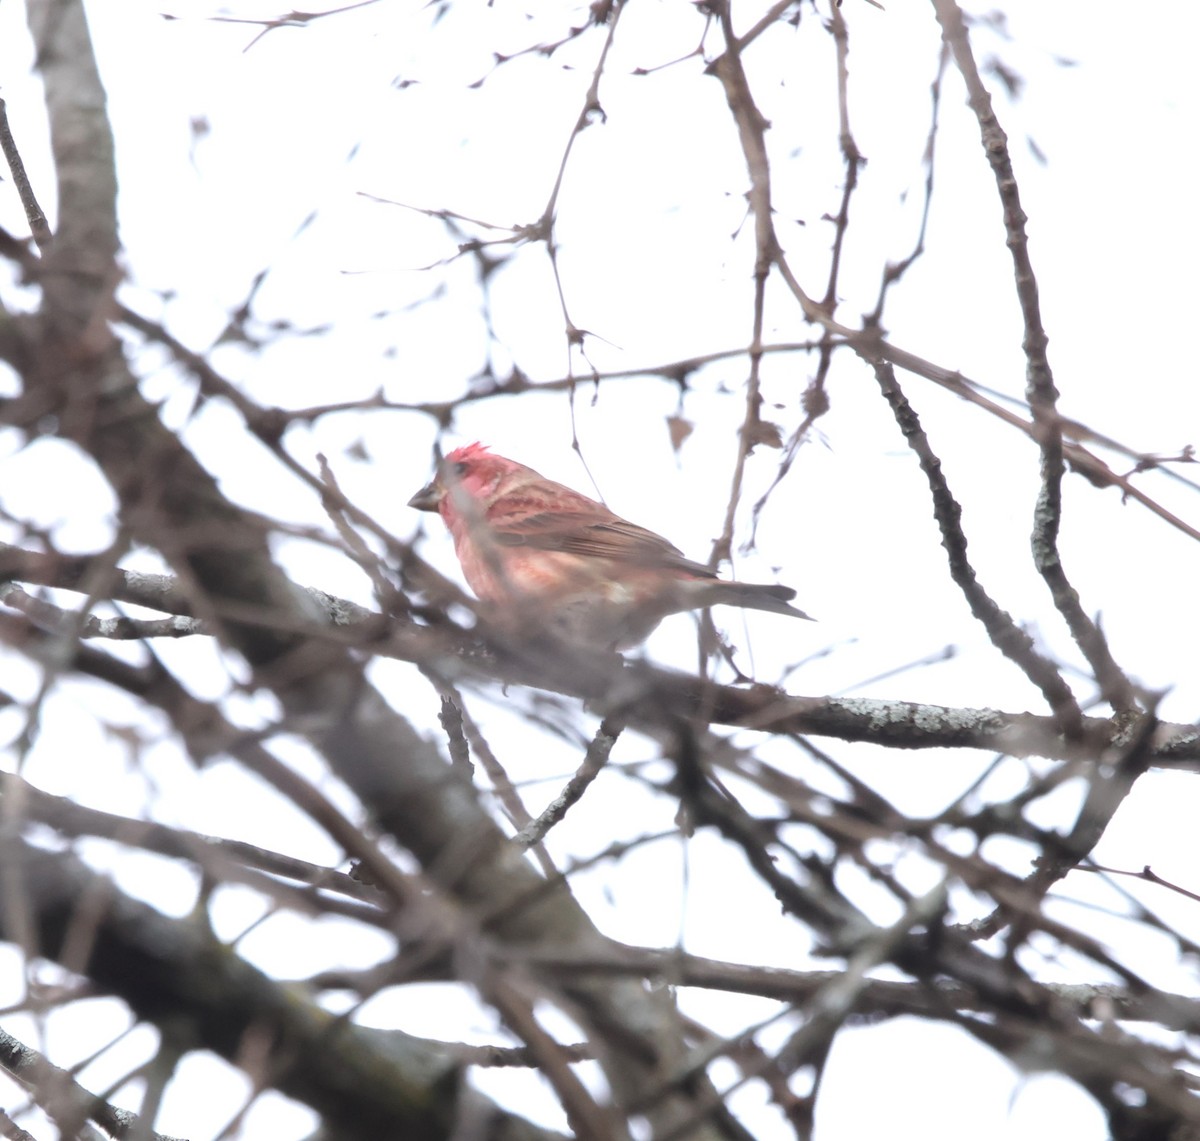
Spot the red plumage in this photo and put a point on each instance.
(547, 554)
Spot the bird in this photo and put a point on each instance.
(543, 556)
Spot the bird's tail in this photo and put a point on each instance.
(751, 596)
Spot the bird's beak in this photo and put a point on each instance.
(428, 498)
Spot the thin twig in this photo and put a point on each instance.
(58, 1092)
(1005, 634)
(894, 271)
(1040, 390)
(594, 760)
(461, 724)
(38, 226)
(268, 424)
(751, 127)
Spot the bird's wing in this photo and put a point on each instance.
(592, 532)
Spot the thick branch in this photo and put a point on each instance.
(177, 974)
(652, 695)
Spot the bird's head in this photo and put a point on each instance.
(474, 472)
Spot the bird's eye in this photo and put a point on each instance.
(460, 468)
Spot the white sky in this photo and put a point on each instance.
(306, 118)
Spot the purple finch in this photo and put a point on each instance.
(549, 556)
